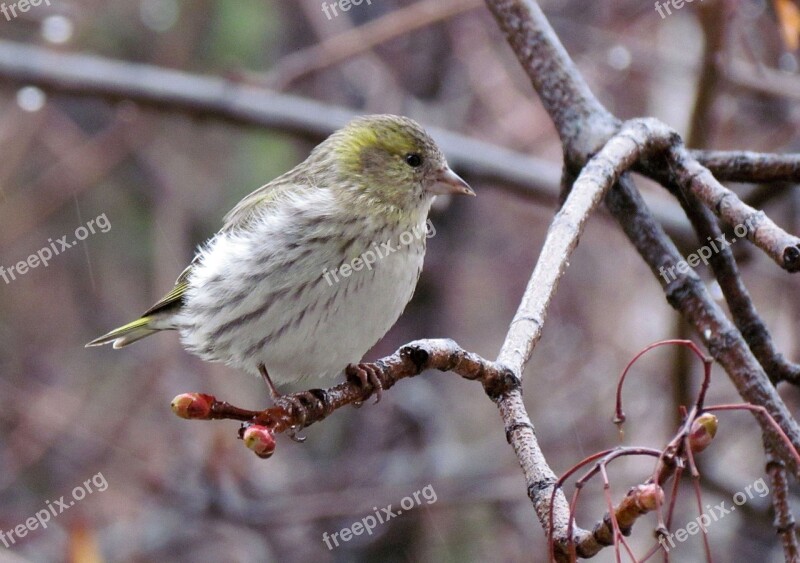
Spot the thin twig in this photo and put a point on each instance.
(361, 39)
(408, 361)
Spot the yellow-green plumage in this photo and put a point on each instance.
(143, 326)
(126, 334)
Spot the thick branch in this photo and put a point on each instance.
(581, 120)
(584, 126)
(619, 154)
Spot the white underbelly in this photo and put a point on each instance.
(282, 310)
(348, 318)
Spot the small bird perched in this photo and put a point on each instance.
(260, 295)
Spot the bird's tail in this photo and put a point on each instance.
(127, 334)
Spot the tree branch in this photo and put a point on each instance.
(740, 304)
(746, 166)
(636, 139)
(408, 361)
(779, 245)
(784, 522)
(236, 102)
(361, 39)
(580, 119)
(688, 295)
(207, 96)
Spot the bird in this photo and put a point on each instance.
(309, 271)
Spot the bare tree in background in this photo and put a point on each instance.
(602, 155)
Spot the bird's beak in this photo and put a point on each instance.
(448, 182)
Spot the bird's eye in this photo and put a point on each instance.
(413, 160)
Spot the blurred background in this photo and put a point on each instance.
(725, 74)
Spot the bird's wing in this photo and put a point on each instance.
(262, 199)
(244, 212)
(174, 298)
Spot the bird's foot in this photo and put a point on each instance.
(366, 375)
(298, 405)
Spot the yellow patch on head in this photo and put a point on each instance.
(387, 134)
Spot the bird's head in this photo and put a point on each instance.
(391, 161)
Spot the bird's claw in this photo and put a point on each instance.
(297, 405)
(366, 374)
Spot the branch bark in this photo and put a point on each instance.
(620, 153)
(779, 245)
(580, 119)
(746, 166)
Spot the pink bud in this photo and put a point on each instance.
(259, 439)
(703, 430)
(192, 405)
